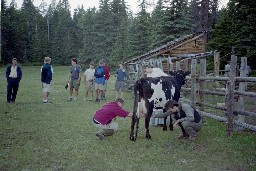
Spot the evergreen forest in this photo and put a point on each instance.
(114, 33)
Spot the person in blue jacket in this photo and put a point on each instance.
(99, 80)
(46, 78)
(13, 76)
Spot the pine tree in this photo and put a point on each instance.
(120, 32)
(140, 34)
(236, 27)
(13, 35)
(157, 25)
(177, 20)
(61, 33)
(87, 24)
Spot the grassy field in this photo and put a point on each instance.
(61, 136)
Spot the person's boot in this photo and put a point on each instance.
(192, 134)
(108, 132)
(100, 135)
(183, 136)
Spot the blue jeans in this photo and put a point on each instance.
(12, 89)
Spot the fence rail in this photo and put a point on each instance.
(230, 92)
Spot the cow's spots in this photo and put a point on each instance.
(158, 95)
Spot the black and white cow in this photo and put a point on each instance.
(153, 93)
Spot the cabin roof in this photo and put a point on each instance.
(173, 48)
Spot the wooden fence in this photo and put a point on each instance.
(198, 86)
(235, 87)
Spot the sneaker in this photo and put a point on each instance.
(192, 138)
(181, 136)
(74, 99)
(90, 99)
(100, 136)
(70, 98)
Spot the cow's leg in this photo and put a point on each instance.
(137, 128)
(134, 121)
(147, 119)
(150, 107)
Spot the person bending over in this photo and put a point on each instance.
(104, 118)
(188, 119)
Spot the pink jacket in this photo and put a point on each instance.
(108, 112)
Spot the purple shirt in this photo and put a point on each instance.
(108, 112)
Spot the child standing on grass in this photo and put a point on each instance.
(107, 75)
(120, 75)
(46, 78)
(74, 78)
(99, 80)
(104, 118)
(89, 81)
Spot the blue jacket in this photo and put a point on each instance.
(46, 75)
(120, 75)
(100, 75)
(19, 73)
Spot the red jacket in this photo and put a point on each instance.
(108, 112)
(107, 72)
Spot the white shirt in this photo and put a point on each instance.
(157, 72)
(13, 73)
(89, 74)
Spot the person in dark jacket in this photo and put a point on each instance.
(107, 75)
(188, 119)
(99, 80)
(13, 76)
(46, 78)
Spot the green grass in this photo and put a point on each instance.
(61, 136)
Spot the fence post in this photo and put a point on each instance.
(242, 87)
(160, 64)
(217, 68)
(193, 82)
(170, 64)
(230, 95)
(202, 84)
(186, 65)
(177, 65)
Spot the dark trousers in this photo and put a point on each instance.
(12, 89)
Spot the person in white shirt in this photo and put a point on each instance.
(89, 81)
(13, 76)
(155, 72)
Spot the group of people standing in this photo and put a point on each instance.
(95, 80)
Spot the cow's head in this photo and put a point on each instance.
(182, 76)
